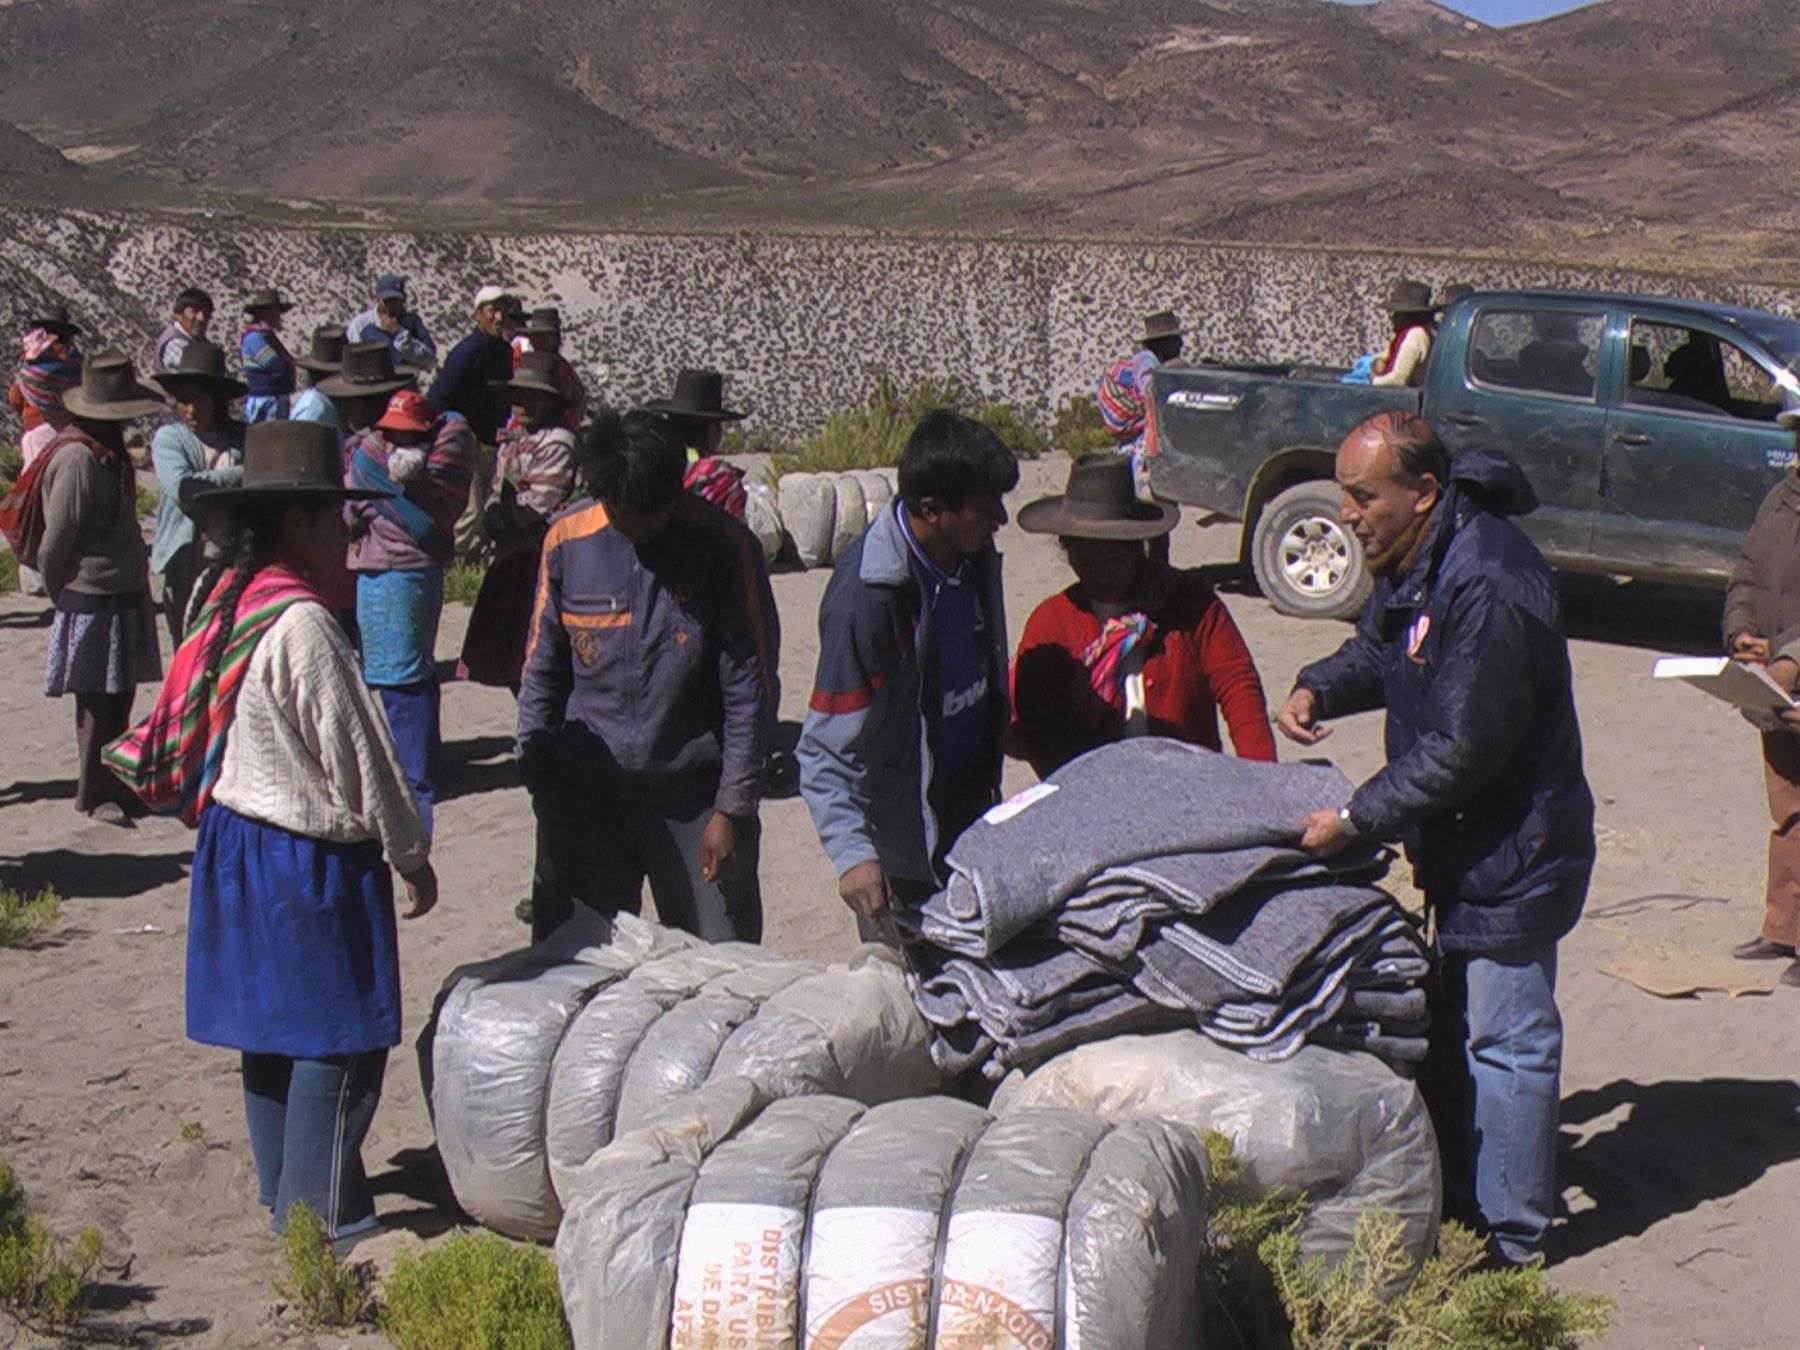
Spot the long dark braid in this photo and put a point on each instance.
(245, 546)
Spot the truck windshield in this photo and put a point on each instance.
(1780, 338)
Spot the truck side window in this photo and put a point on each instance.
(1539, 351)
(1689, 370)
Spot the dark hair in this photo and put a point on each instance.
(633, 463)
(193, 298)
(250, 538)
(1413, 442)
(953, 458)
(690, 431)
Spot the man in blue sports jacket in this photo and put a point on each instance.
(901, 748)
(1462, 643)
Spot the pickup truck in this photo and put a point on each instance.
(1646, 424)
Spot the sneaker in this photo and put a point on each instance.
(110, 813)
(1761, 949)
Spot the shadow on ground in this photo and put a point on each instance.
(1673, 1146)
(471, 767)
(418, 1175)
(92, 876)
(23, 793)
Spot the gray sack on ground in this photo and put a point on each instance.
(1342, 1127)
(485, 1057)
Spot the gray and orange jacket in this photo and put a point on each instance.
(646, 670)
(865, 753)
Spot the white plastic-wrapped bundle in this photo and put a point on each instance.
(852, 512)
(809, 514)
(878, 489)
(1340, 1126)
(762, 514)
(820, 1223)
(485, 1060)
(791, 1027)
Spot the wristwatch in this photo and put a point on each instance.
(1350, 830)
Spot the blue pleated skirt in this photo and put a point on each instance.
(291, 944)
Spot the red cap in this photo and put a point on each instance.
(408, 410)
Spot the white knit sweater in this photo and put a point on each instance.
(309, 750)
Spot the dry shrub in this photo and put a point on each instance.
(474, 1292)
(322, 1290)
(26, 918)
(872, 434)
(45, 1283)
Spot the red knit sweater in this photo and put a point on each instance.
(1195, 665)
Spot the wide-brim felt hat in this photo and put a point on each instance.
(327, 354)
(110, 391)
(1789, 418)
(544, 319)
(367, 370)
(1100, 502)
(267, 298)
(57, 320)
(536, 373)
(698, 393)
(201, 362)
(1162, 324)
(1409, 297)
(290, 463)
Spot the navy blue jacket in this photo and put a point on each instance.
(1483, 782)
(465, 384)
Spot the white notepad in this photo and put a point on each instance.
(1746, 686)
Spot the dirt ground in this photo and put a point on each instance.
(1681, 1138)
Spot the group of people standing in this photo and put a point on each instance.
(633, 616)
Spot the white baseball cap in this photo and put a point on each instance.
(491, 295)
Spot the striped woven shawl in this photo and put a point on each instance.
(172, 758)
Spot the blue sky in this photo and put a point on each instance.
(1511, 11)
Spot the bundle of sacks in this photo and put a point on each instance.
(1151, 883)
(822, 1223)
(824, 513)
(533, 1061)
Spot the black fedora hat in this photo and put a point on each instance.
(201, 362)
(1099, 503)
(57, 320)
(367, 369)
(536, 372)
(544, 319)
(267, 298)
(111, 392)
(1409, 297)
(1162, 324)
(289, 463)
(698, 393)
(327, 354)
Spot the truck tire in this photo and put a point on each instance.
(1305, 559)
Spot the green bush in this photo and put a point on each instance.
(872, 434)
(147, 497)
(26, 918)
(9, 569)
(322, 1291)
(44, 1282)
(12, 459)
(462, 583)
(474, 1292)
(1262, 1294)
(1078, 429)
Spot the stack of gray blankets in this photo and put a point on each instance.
(1153, 884)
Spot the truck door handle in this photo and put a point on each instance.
(1464, 419)
(1633, 438)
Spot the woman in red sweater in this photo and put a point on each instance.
(1134, 647)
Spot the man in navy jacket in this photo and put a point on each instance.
(1462, 643)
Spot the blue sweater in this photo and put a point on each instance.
(464, 384)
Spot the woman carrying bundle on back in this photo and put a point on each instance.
(266, 737)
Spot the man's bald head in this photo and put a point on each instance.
(1391, 468)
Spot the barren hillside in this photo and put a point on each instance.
(1628, 132)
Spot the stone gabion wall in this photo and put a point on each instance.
(800, 322)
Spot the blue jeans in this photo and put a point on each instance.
(308, 1119)
(412, 716)
(1494, 1085)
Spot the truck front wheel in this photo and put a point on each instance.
(1306, 560)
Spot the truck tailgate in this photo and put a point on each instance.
(1216, 426)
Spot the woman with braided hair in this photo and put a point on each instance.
(266, 737)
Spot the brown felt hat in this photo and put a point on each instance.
(267, 298)
(368, 368)
(327, 354)
(1409, 297)
(1099, 503)
(111, 392)
(698, 393)
(1162, 324)
(547, 319)
(536, 372)
(201, 362)
(289, 463)
(57, 320)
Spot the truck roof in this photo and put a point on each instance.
(1740, 315)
